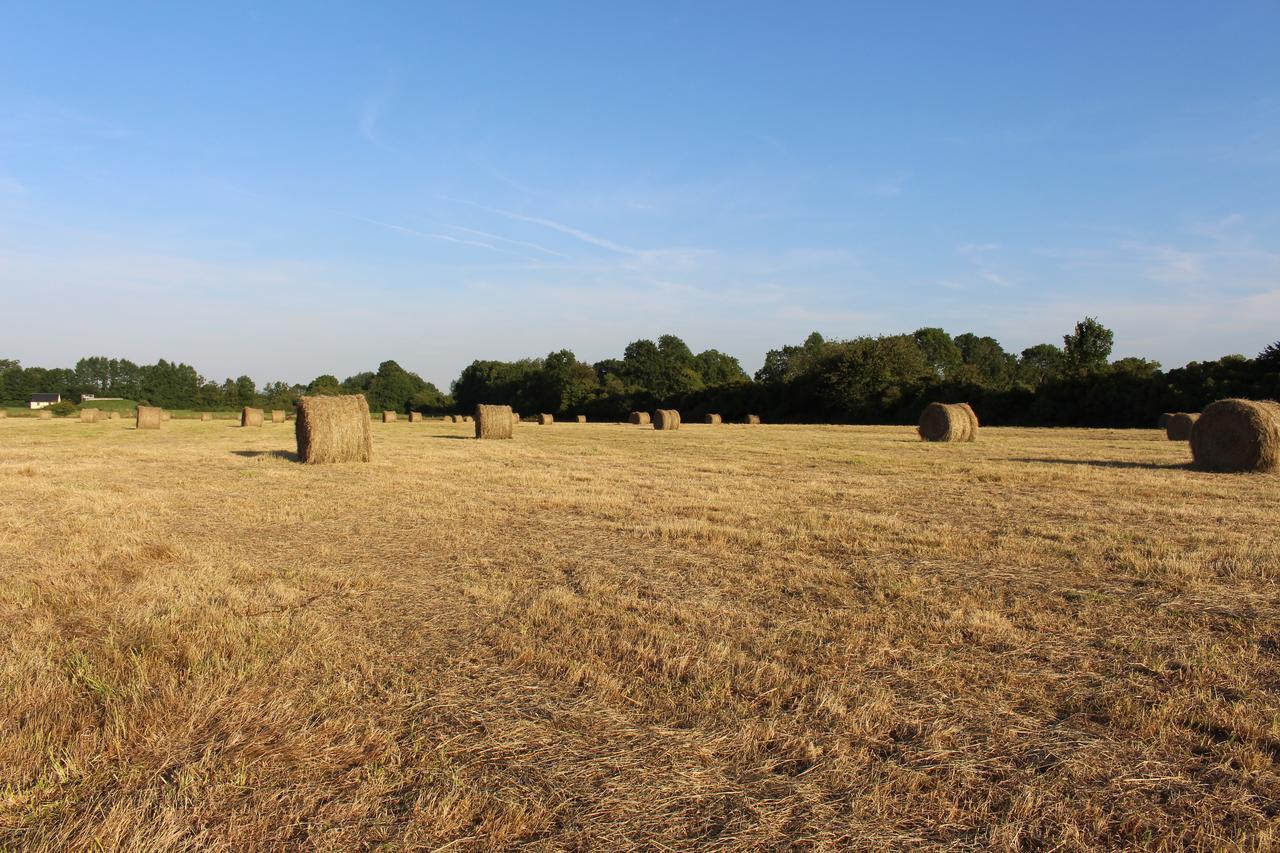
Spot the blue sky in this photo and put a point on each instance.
(285, 190)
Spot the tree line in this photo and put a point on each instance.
(884, 379)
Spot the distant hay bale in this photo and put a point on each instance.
(415, 417)
(666, 419)
(250, 417)
(206, 416)
(89, 416)
(388, 417)
(277, 416)
(114, 416)
(713, 419)
(164, 416)
(948, 422)
(751, 420)
(466, 419)
(453, 419)
(1163, 421)
(148, 417)
(582, 419)
(515, 417)
(546, 420)
(493, 421)
(1179, 426)
(1238, 435)
(333, 429)
(3, 414)
(44, 415)
(640, 418)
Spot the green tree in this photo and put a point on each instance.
(985, 362)
(325, 384)
(940, 351)
(1089, 346)
(1039, 364)
(393, 387)
(716, 368)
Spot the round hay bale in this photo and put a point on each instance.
(515, 417)
(277, 416)
(114, 416)
(148, 417)
(493, 421)
(415, 417)
(713, 419)
(546, 420)
(89, 416)
(44, 415)
(582, 419)
(666, 419)
(333, 429)
(3, 414)
(250, 417)
(165, 416)
(948, 422)
(751, 420)
(388, 417)
(1179, 426)
(453, 419)
(466, 419)
(1163, 421)
(206, 416)
(640, 418)
(1237, 435)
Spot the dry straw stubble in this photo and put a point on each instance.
(333, 429)
(1238, 435)
(1179, 426)
(948, 422)
(493, 421)
(148, 417)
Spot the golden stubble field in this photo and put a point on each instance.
(604, 636)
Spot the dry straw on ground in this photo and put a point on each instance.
(640, 418)
(948, 422)
(333, 429)
(388, 417)
(206, 416)
(1238, 435)
(250, 417)
(148, 417)
(493, 421)
(713, 419)
(751, 420)
(545, 419)
(666, 419)
(1179, 426)
(277, 416)
(90, 416)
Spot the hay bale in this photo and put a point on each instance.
(206, 416)
(114, 416)
(1237, 435)
(582, 419)
(333, 429)
(1163, 421)
(1179, 426)
(3, 414)
(751, 420)
(713, 419)
(546, 420)
(666, 419)
(164, 416)
(415, 417)
(493, 421)
(148, 417)
(250, 417)
(90, 416)
(515, 417)
(277, 416)
(453, 419)
(948, 422)
(44, 414)
(388, 417)
(640, 418)
(466, 419)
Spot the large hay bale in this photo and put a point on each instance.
(277, 416)
(250, 417)
(640, 418)
(415, 417)
(388, 417)
(148, 417)
(546, 420)
(713, 419)
(44, 415)
(206, 416)
(666, 419)
(1163, 421)
(1237, 435)
(90, 416)
(582, 419)
(751, 420)
(948, 422)
(333, 429)
(493, 421)
(1179, 426)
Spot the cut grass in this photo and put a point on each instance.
(834, 637)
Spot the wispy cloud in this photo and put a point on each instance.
(525, 243)
(433, 235)
(983, 258)
(889, 186)
(577, 233)
(371, 112)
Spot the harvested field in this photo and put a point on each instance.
(830, 637)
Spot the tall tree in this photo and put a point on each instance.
(1088, 346)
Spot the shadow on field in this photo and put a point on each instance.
(1103, 463)
(455, 437)
(287, 455)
